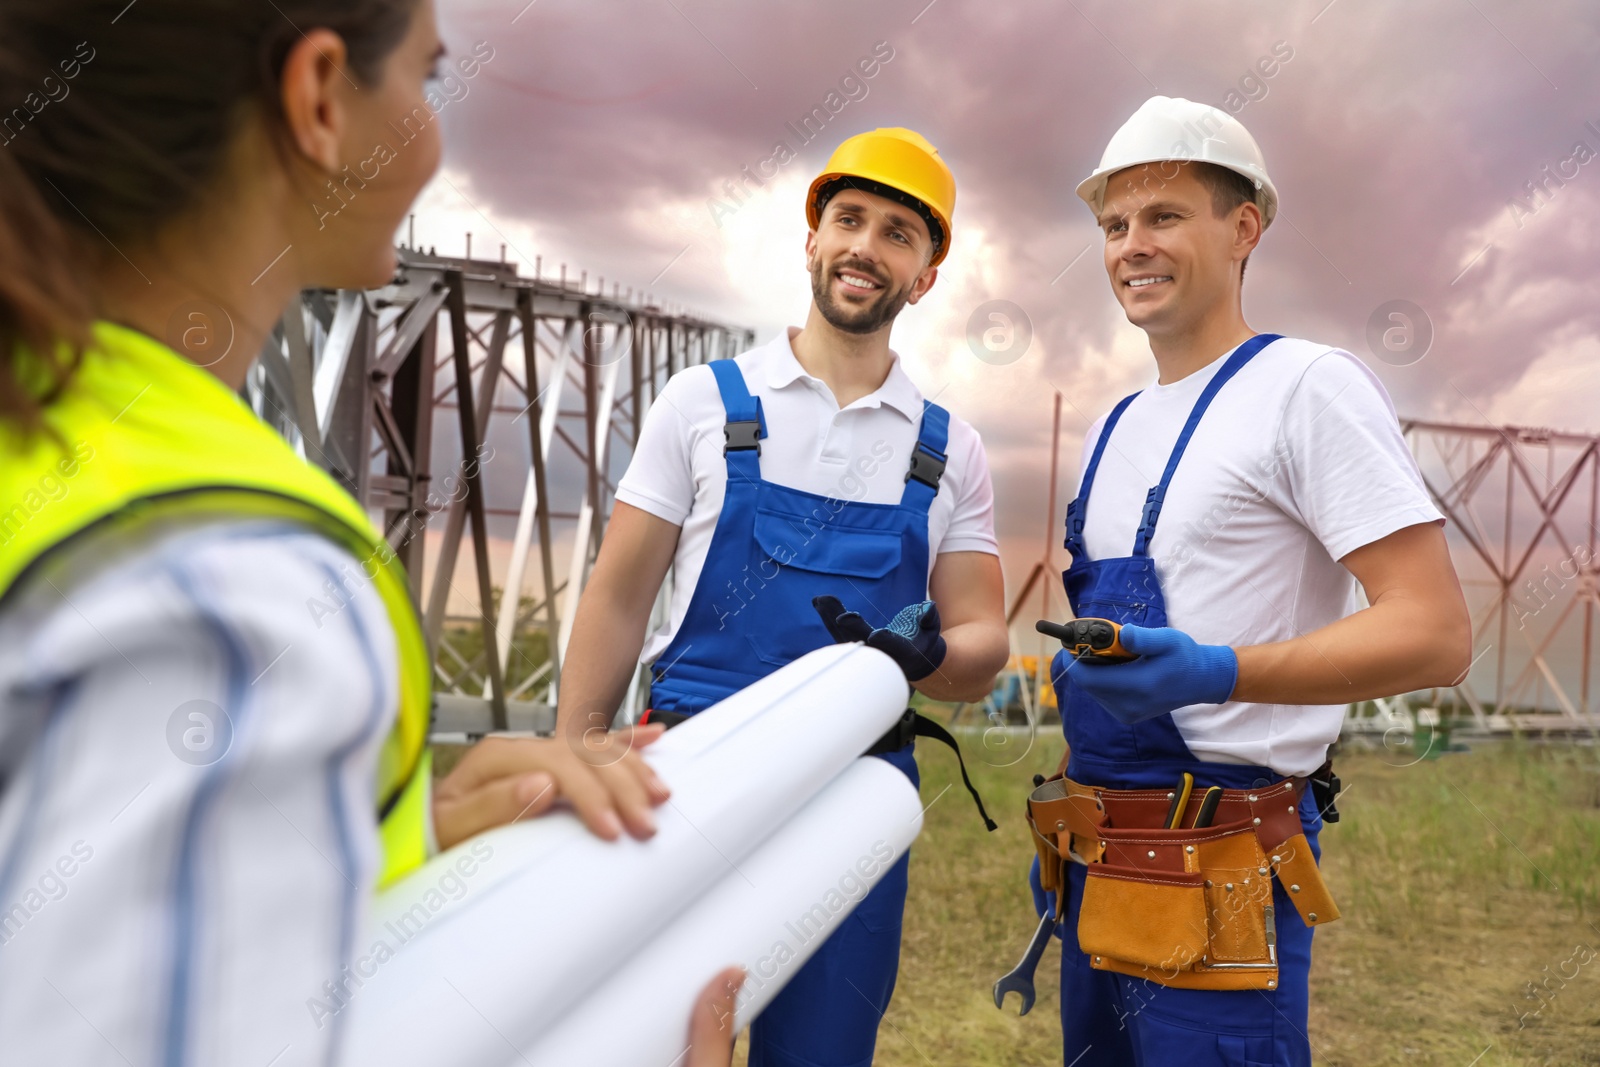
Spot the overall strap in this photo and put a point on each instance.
(928, 458)
(1080, 503)
(746, 424)
(1158, 493)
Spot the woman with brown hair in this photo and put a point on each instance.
(201, 782)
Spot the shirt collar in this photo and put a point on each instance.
(897, 391)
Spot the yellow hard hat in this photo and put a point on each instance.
(897, 163)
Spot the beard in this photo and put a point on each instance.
(858, 319)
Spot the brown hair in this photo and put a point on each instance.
(1229, 189)
(114, 119)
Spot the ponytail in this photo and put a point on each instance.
(45, 304)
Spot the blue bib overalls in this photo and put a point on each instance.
(1110, 1019)
(774, 548)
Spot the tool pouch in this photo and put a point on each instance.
(1065, 820)
(1185, 908)
(1188, 908)
(1141, 919)
(1298, 871)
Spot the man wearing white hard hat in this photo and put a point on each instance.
(1227, 516)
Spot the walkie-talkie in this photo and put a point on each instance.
(1095, 641)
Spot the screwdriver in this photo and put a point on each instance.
(1096, 641)
(1208, 807)
(1180, 800)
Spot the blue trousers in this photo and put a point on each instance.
(1113, 1020)
(828, 1014)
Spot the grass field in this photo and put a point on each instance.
(1464, 882)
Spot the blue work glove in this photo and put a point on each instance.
(911, 639)
(1173, 671)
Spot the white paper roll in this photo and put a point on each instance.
(486, 946)
(770, 915)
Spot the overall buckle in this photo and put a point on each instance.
(1074, 526)
(742, 436)
(927, 467)
(1152, 512)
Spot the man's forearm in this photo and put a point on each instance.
(974, 653)
(1394, 646)
(605, 646)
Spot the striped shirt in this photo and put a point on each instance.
(189, 729)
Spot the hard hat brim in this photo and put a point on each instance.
(814, 213)
(1092, 190)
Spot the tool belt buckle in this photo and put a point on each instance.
(1325, 787)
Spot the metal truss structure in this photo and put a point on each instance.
(1521, 506)
(545, 377)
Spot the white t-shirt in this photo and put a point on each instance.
(858, 453)
(1298, 461)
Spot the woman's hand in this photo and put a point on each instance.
(503, 779)
(711, 1031)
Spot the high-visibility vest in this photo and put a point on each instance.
(141, 433)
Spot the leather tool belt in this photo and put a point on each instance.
(1188, 908)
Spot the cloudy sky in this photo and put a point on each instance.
(1403, 140)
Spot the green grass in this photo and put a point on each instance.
(1463, 881)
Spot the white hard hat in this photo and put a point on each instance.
(1172, 128)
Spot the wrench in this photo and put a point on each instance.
(1020, 978)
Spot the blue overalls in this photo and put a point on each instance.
(1113, 1020)
(774, 549)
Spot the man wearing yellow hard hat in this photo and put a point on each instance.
(807, 493)
(1182, 838)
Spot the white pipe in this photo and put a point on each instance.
(519, 924)
(770, 916)
(336, 349)
(578, 565)
(520, 542)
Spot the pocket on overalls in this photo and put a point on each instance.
(784, 626)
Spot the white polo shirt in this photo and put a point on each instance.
(857, 453)
(1298, 462)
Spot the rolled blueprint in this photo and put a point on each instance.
(483, 948)
(770, 915)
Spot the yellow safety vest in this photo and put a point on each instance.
(140, 432)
